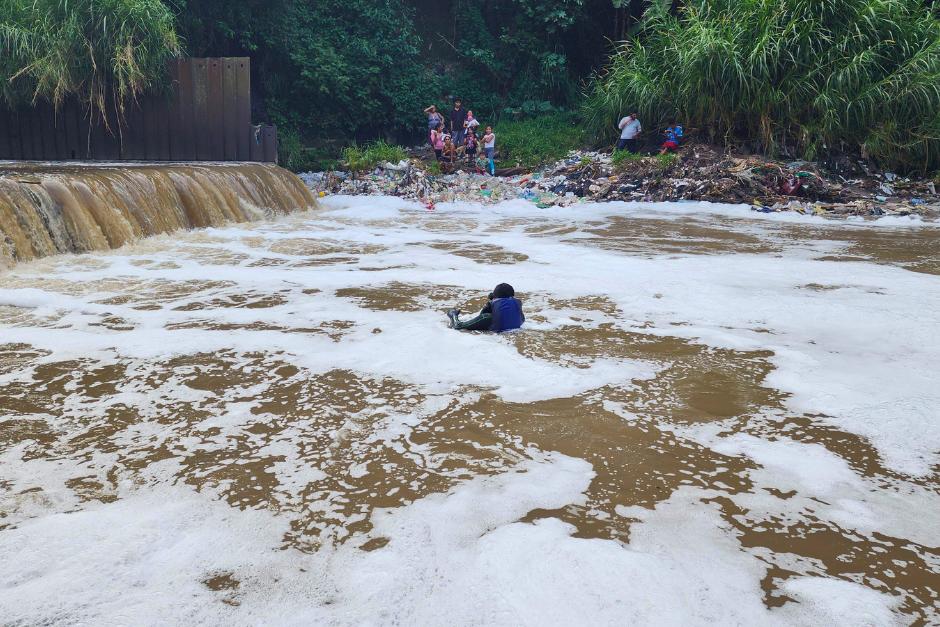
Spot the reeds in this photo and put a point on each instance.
(796, 77)
(104, 52)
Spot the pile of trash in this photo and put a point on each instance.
(411, 180)
(696, 172)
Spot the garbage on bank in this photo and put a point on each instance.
(696, 173)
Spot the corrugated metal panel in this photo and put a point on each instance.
(203, 114)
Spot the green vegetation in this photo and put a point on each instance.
(796, 77)
(356, 70)
(801, 78)
(433, 168)
(521, 57)
(533, 142)
(103, 52)
(294, 155)
(622, 157)
(363, 159)
(667, 159)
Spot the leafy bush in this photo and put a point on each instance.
(531, 108)
(355, 70)
(798, 77)
(363, 159)
(294, 155)
(534, 142)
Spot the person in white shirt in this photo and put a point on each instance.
(472, 123)
(630, 128)
(489, 148)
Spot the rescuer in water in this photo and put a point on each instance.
(502, 313)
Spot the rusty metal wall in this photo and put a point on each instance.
(203, 113)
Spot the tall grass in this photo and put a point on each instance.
(537, 141)
(364, 158)
(798, 77)
(105, 52)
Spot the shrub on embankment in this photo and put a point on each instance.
(536, 141)
(104, 52)
(804, 78)
(365, 158)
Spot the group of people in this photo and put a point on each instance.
(630, 129)
(456, 137)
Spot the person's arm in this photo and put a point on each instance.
(622, 123)
(428, 109)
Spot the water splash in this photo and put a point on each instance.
(47, 209)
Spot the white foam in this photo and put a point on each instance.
(839, 602)
(458, 558)
(862, 354)
(148, 554)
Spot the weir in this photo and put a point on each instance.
(48, 208)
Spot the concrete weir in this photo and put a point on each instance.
(51, 208)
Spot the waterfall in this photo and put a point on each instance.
(47, 208)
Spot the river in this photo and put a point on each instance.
(710, 416)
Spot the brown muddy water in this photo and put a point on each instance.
(48, 208)
(753, 388)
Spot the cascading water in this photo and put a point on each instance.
(47, 209)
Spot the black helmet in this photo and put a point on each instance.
(503, 290)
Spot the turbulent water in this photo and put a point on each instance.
(48, 208)
(710, 417)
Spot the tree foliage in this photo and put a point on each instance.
(102, 51)
(361, 69)
(347, 67)
(801, 77)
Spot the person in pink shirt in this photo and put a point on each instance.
(437, 140)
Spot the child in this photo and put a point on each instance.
(503, 312)
(437, 140)
(672, 139)
(471, 147)
(489, 148)
(472, 123)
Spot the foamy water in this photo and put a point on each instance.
(710, 417)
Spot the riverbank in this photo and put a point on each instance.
(698, 172)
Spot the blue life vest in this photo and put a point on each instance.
(507, 314)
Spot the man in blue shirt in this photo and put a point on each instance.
(502, 313)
